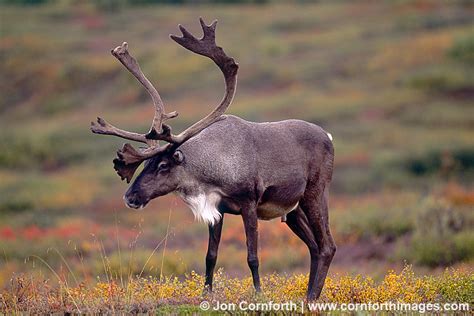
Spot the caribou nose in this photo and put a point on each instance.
(132, 198)
(132, 202)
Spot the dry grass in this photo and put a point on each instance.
(154, 295)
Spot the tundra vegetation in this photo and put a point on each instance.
(391, 81)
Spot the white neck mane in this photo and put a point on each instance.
(204, 206)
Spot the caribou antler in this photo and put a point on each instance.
(102, 127)
(128, 158)
(206, 46)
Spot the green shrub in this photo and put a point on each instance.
(16, 204)
(36, 152)
(375, 222)
(23, 2)
(434, 21)
(442, 79)
(463, 50)
(433, 250)
(442, 235)
(457, 160)
(464, 245)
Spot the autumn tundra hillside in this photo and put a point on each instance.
(392, 81)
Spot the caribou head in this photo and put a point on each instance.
(161, 170)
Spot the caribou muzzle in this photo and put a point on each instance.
(133, 199)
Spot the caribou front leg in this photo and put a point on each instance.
(249, 215)
(211, 257)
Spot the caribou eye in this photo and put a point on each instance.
(163, 166)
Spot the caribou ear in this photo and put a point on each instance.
(178, 156)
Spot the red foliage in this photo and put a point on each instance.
(458, 195)
(7, 233)
(33, 232)
(66, 231)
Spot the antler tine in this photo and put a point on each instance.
(185, 32)
(209, 31)
(104, 128)
(206, 46)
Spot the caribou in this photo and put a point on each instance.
(223, 164)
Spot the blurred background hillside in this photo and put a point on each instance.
(392, 81)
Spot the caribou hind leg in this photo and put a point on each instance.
(249, 216)
(298, 223)
(315, 206)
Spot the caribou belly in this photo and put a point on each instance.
(269, 210)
